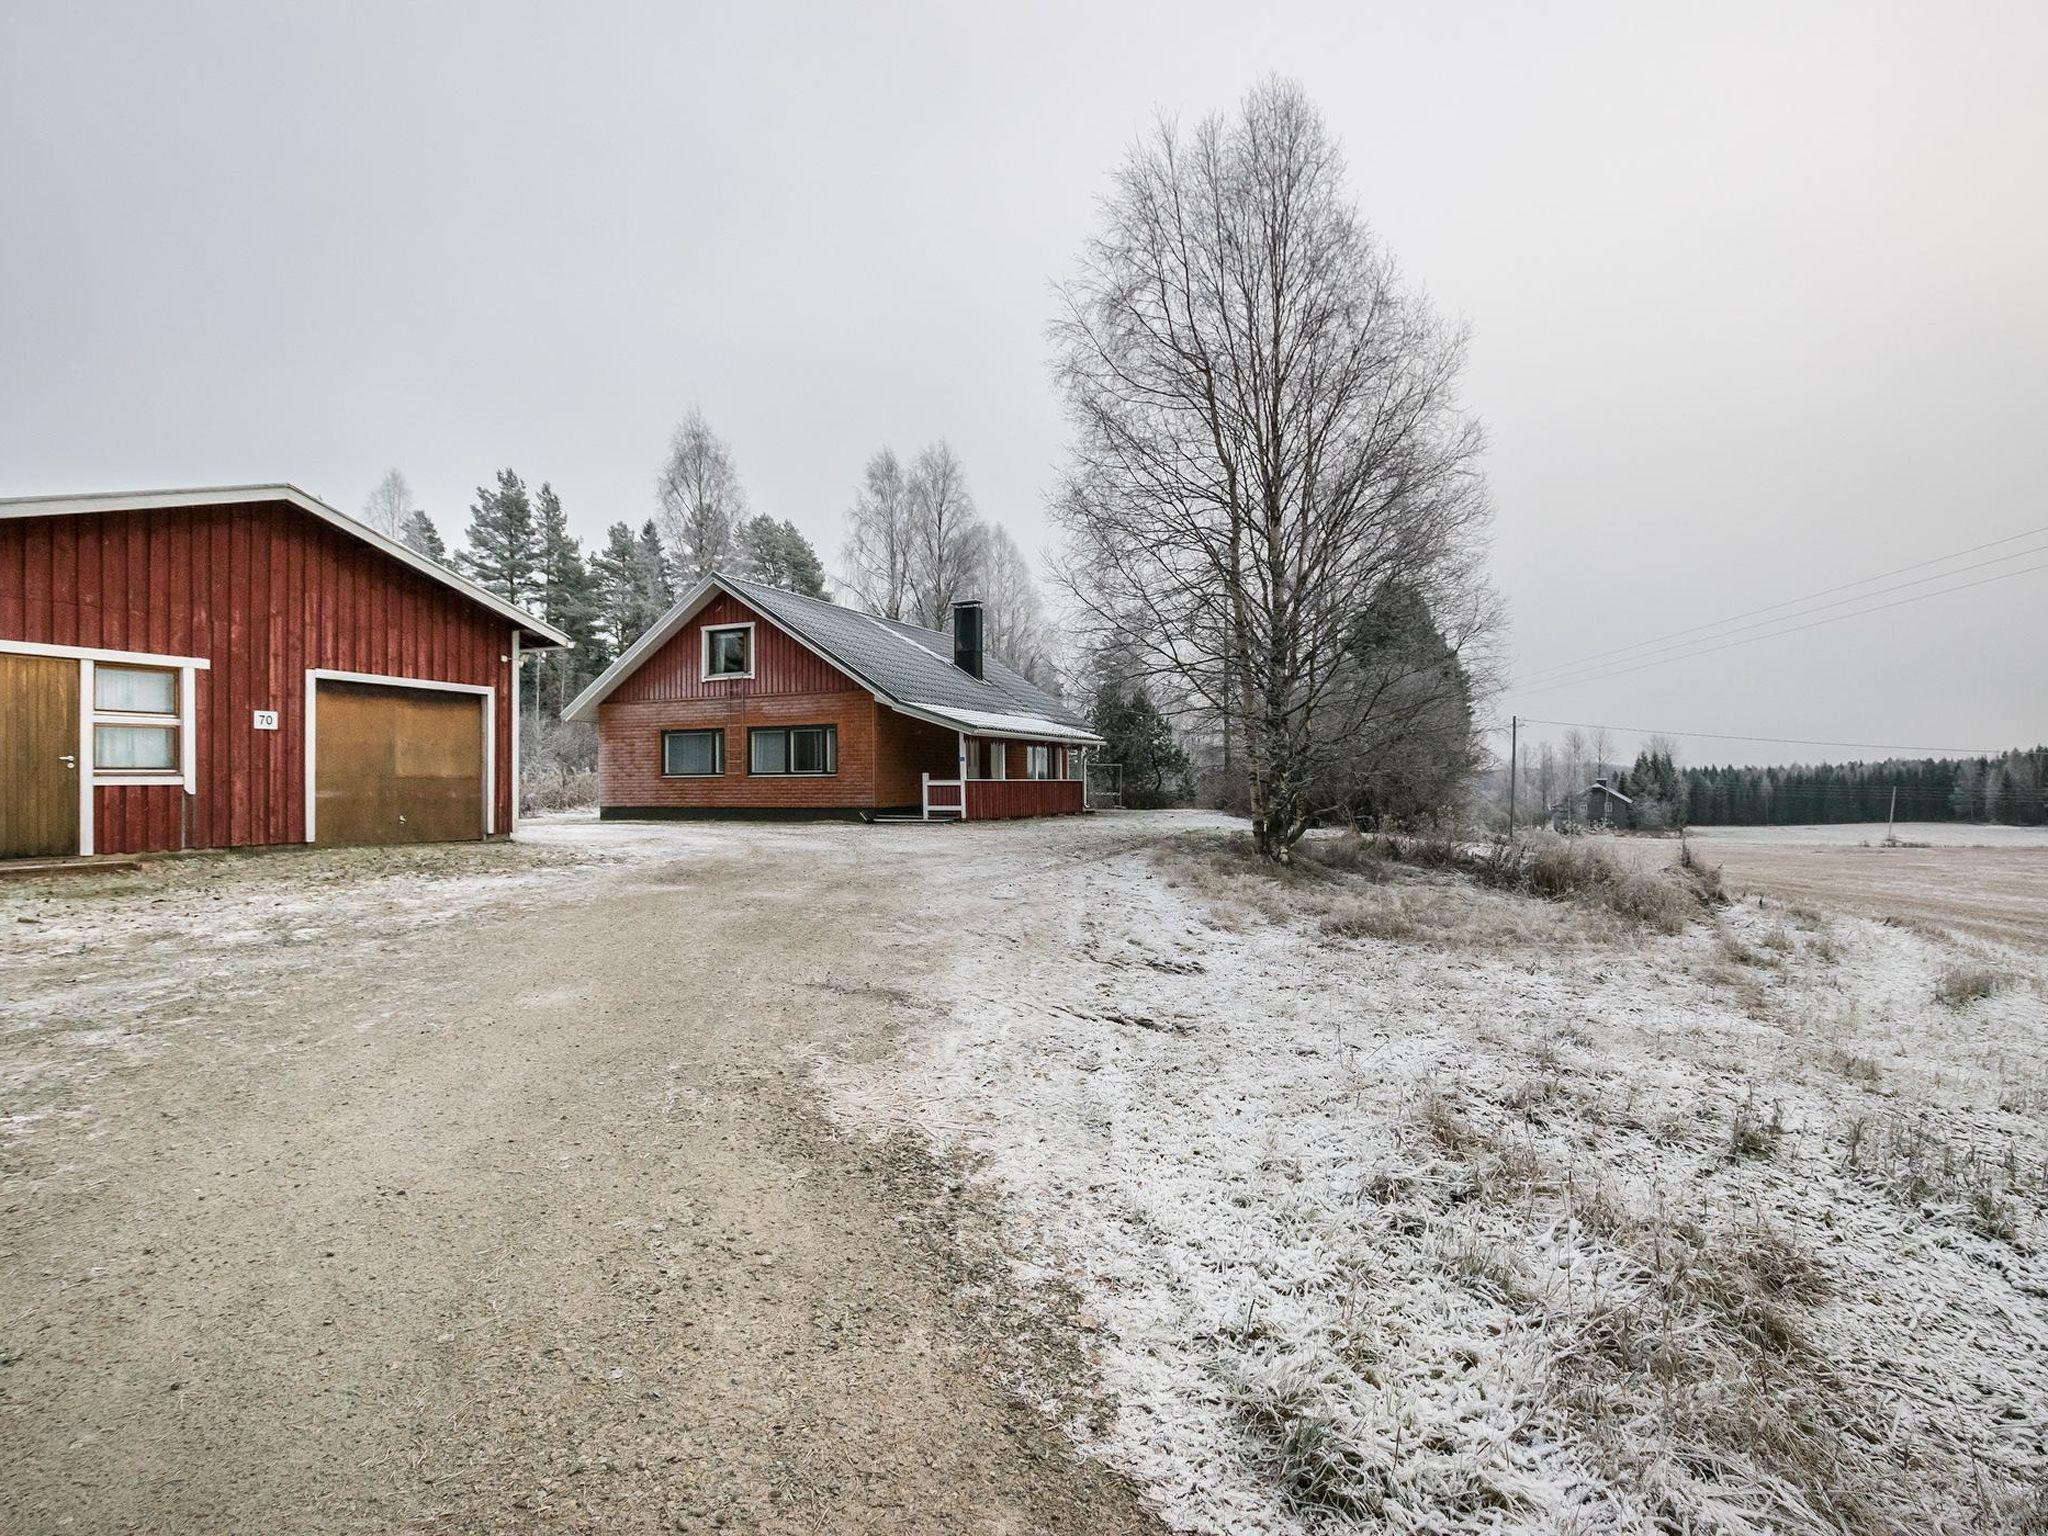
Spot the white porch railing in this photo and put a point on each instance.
(950, 801)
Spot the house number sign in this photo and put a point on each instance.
(266, 719)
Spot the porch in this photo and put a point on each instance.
(999, 778)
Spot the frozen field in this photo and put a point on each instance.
(1937, 834)
(1990, 881)
(1065, 1178)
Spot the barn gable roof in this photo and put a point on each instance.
(531, 628)
(906, 666)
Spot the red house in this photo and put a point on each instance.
(245, 665)
(746, 701)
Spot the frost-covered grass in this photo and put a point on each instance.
(1393, 1201)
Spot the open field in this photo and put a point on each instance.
(1991, 881)
(1052, 1177)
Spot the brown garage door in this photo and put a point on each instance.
(38, 756)
(397, 765)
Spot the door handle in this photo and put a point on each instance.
(68, 759)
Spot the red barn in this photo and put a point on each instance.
(745, 700)
(245, 665)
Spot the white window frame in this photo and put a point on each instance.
(1037, 761)
(315, 676)
(705, 674)
(187, 773)
(998, 760)
(175, 719)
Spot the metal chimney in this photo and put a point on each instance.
(967, 637)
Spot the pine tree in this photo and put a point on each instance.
(503, 553)
(778, 555)
(419, 534)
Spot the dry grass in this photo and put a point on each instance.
(1990, 1190)
(1961, 985)
(1435, 890)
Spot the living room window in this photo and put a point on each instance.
(692, 754)
(794, 749)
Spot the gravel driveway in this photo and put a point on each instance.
(484, 1188)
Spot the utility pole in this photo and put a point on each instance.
(1891, 817)
(1515, 763)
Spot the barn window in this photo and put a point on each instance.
(692, 754)
(729, 650)
(134, 690)
(794, 749)
(1038, 762)
(135, 719)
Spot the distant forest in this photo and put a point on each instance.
(2011, 789)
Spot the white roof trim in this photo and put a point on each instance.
(237, 495)
(652, 639)
(981, 722)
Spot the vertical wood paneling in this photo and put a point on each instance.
(781, 664)
(264, 592)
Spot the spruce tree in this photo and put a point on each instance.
(503, 553)
(1155, 768)
(616, 571)
(419, 534)
(655, 591)
(568, 600)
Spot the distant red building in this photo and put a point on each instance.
(244, 665)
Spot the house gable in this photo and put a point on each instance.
(783, 665)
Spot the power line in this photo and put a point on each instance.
(1794, 602)
(1920, 597)
(1775, 741)
(1840, 602)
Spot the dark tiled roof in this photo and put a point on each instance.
(911, 664)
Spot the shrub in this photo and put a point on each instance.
(1573, 869)
(1961, 985)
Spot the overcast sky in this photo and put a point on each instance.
(1760, 294)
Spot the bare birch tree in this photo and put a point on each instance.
(1267, 433)
(877, 553)
(1015, 627)
(945, 535)
(389, 505)
(701, 502)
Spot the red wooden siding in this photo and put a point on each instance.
(998, 799)
(782, 664)
(263, 591)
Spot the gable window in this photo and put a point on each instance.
(1038, 762)
(692, 754)
(135, 719)
(729, 650)
(793, 749)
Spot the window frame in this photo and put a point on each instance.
(717, 735)
(704, 634)
(1037, 761)
(172, 723)
(830, 733)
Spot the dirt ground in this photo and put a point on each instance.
(485, 1189)
(1998, 891)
